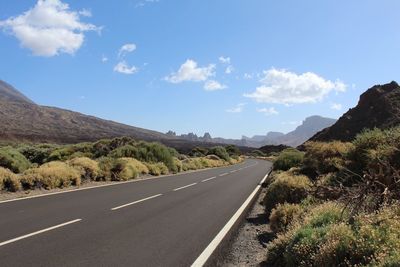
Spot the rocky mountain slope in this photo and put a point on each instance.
(378, 107)
(23, 120)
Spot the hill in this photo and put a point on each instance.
(378, 107)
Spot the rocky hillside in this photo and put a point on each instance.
(378, 107)
(23, 120)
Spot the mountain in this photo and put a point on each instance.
(302, 133)
(309, 127)
(23, 120)
(378, 107)
(9, 93)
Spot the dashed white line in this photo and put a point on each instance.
(223, 174)
(233, 171)
(135, 202)
(179, 188)
(208, 179)
(38, 232)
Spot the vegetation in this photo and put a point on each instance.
(350, 212)
(288, 158)
(51, 166)
(13, 160)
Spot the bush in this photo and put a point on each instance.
(13, 160)
(178, 164)
(139, 166)
(286, 187)
(220, 152)
(157, 168)
(324, 238)
(106, 164)
(282, 215)
(288, 158)
(36, 154)
(125, 151)
(9, 181)
(54, 174)
(325, 157)
(299, 245)
(88, 168)
(123, 170)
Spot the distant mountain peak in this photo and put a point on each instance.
(9, 93)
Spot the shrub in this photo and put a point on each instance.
(282, 215)
(299, 245)
(198, 152)
(157, 168)
(13, 160)
(124, 151)
(51, 175)
(9, 181)
(36, 154)
(123, 170)
(288, 158)
(324, 157)
(178, 164)
(286, 188)
(232, 150)
(324, 238)
(139, 166)
(88, 168)
(220, 152)
(106, 164)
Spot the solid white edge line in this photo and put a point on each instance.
(112, 184)
(135, 202)
(179, 188)
(208, 179)
(205, 255)
(38, 232)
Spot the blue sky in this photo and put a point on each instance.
(226, 67)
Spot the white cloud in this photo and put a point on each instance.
(336, 106)
(284, 87)
(212, 85)
(189, 71)
(122, 67)
(268, 111)
(104, 59)
(248, 76)
(125, 49)
(49, 28)
(229, 69)
(237, 109)
(143, 3)
(225, 60)
(85, 12)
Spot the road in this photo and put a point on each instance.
(166, 221)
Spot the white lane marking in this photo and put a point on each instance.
(179, 188)
(205, 255)
(208, 179)
(233, 171)
(223, 174)
(105, 185)
(38, 232)
(135, 202)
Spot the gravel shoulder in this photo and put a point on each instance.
(249, 246)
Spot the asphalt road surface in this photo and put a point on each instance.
(166, 221)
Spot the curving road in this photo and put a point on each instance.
(166, 221)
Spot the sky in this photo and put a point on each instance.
(227, 67)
